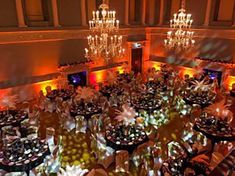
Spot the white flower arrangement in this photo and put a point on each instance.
(220, 111)
(200, 85)
(127, 116)
(73, 171)
(85, 93)
(8, 101)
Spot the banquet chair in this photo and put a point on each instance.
(50, 132)
(80, 124)
(104, 154)
(94, 123)
(49, 106)
(34, 116)
(10, 136)
(122, 161)
(16, 174)
(32, 132)
(97, 172)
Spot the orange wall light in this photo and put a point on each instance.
(120, 70)
(187, 71)
(97, 76)
(156, 65)
(230, 81)
(42, 85)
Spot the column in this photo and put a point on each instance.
(151, 7)
(143, 16)
(55, 13)
(208, 13)
(161, 16)
(234, 15)
(20, 13)
(84, 15)
(127, 6)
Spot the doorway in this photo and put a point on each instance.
(136, 60)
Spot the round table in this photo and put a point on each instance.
(214, 130)
(125, 77)
(203, 100)
(147, 102)
(85, 110)
(118, 140)
(177, 167)
(12, 117)
(23, 155)
(65, 94)
(155, 86)
(107, 91)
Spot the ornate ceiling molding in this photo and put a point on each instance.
(54, 35)
(67, 34)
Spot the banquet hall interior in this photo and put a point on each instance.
(117, 87)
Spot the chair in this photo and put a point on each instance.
(94, 123)
(6, 133)
(97, 172)
(32, 132)
(50, 132)
(80, 124)
(50, 106)
(104, 154)
(122, 161)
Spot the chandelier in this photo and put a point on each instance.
(104, 41)
(180, 36)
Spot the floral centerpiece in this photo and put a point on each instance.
(199, 86)
(220, 111)
(8, 101)
(73, 171)
(126, 117)
(85, 93)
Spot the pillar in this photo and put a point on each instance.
(161, 16)
(83, 14)
(143, 16)
(208, 13)
(127, 7)
(20, 13)
(55, 13)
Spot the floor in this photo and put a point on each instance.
(77, 148)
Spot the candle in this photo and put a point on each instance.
(93, 15)
(86, 50)
(117, 23)
(114, 14)
(111, 40)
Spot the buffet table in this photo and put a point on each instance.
(117, 139)
(23, 155)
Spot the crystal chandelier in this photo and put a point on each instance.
(180, 36)
(104, 42)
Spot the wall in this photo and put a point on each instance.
(118, 6)
(8, 16)
(69, 12)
